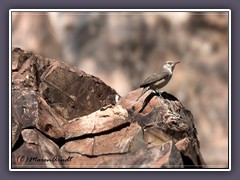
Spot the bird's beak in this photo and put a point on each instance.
(176, 63)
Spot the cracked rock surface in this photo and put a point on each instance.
(65, 118)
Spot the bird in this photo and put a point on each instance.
(159, 79)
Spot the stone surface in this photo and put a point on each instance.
(25, 107)
(30, 110)
(16, 130)
(50, 123)
(73, 93)
(36, 151)
(165, 156)
(69, 91)
(164, 118)
(154, 132)
(97, 122)
(118, 142)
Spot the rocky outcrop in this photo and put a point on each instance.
(65, 118)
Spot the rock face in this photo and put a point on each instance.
(65, 118)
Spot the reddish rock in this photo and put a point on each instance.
(122, 141)
(73, 93)
(164, 156)
(36, 151)
(49, 122)
(30, 110)
(63, 117)
(164, 118)
(163, 111)
(97, 122)
(68, 90)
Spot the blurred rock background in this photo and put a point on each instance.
(122, 48)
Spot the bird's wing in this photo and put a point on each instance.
(154, 78)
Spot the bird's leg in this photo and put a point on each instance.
(158, 92)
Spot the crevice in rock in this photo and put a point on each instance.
(187, 162)
(37, 75)
(99, 155)
(14, 70)
(91, 135)
(18, 143)
(61, 141)
(147, 100)
(58, 141)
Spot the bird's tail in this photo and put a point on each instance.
(143, 92)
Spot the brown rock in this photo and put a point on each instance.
(125, 140)
(97, 122)
(18, 58)
(16, 130)
(165, 112)
(73, 93)
(25, 76)
(37, 151)
(25, 107)
(164, 119)
(49, 122)
(62, 117)
(164, 156)
(83, 146)
(30, 110)
(69, 91)
(155, 137)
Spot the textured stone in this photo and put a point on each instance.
(68, 90)
(63, 117)
(164, 156)
(25, 107)
(97, 122)
(30, 110)
(73, 93)
(36, 151)
(164, 118)
(49, 122)
(16, 130)
(125, 140)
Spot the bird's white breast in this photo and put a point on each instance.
(169, 69)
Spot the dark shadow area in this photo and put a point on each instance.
(147, 100)
(18, 143)
(168, 96)
(187, 162)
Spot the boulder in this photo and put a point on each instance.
(65, 118)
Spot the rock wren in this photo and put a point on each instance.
(159, 79)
